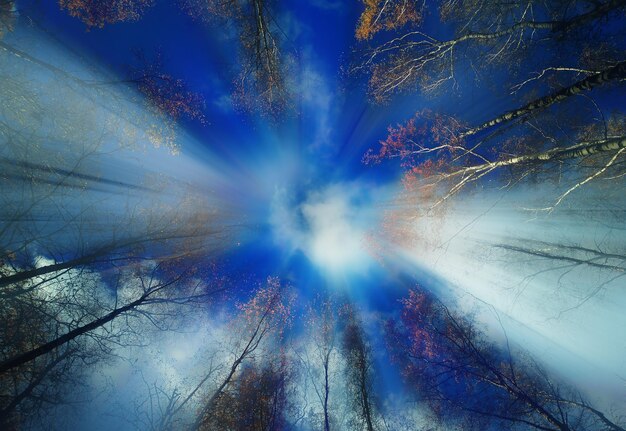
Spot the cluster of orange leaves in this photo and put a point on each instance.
(395, 145)
(97, 13)
(387, 15)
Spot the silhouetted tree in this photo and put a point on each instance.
(319, 356)
(465, 378)
(164, 406)
(359, 369)
(262, 321)
(261, 83)
(74, 319)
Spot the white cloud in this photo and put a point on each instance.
(336, 241)
(329, 226)
(319, 102)
(224, 103)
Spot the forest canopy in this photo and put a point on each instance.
(373, 215)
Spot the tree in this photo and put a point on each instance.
(165, 406)
(538, 136)
(59, 205)
(93, 244)
(564, 263)
(152, 292)
(486, 33)
(163, 96)
(26, 394)
(386, 15)
(131, 249)
(435, 154)
(320, 360)
(465, 378)
(95, 13)
(261, 82)
(75, 320)
(258, 399)
(263, 319)
(561, 132)
(358, 362)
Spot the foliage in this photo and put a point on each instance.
(259, 328)
(387, 15)
(261, 83)
(170, 95)
(256, 400)
(96, 13)
(487, 36)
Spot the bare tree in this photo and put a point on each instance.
(464, 378)
(436, 158)
(67, 322)
(320, 360)
(164, 406)
(261, 84)
(153, 291)
(486, 33)
(359, 370)
(59, 206)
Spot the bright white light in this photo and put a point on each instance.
(565, 315)
(336, 240)
(329, 227)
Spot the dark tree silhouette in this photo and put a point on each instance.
(261, 82)
(464, 377)
(359, 370)
(319, 361)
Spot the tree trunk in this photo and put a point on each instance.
(22, 276)
(95, 257)
(614, 73)
(367, 411)
(326, 392)
(26, 357)
(582, 149)
(5, 413)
